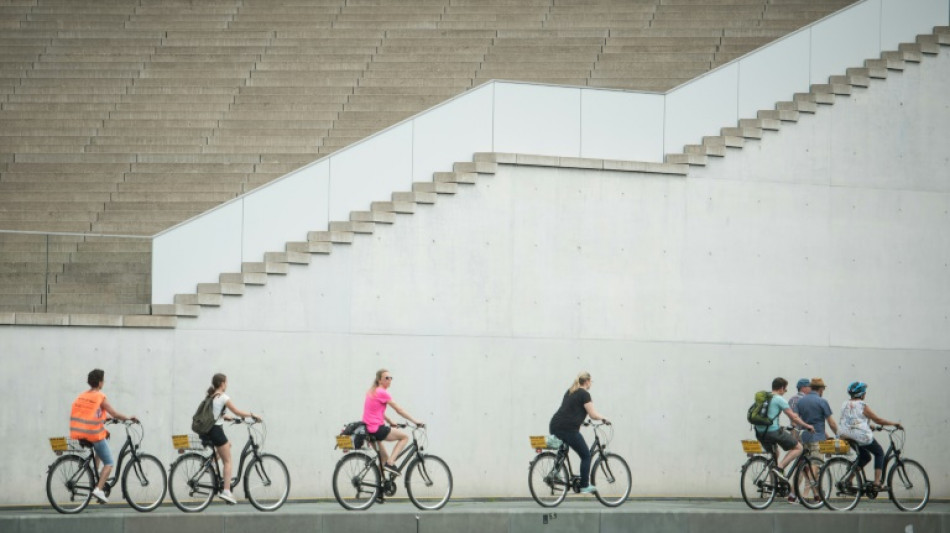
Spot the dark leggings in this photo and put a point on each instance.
(575, 440)
(866, 450)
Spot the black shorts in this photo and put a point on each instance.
(781, 437)
(381, 433)
(215, 436)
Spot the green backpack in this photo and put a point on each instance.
(759, 411)
(204, 418)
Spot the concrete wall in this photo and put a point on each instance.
(823, 250)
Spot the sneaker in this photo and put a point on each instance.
(227, 496)
(589, 489)
(99, 495)
(391, 469)
(792, 498)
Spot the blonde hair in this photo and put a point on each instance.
(379, 376)
(581, 379)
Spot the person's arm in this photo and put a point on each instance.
(797, 420)
(403, 414)
(240, 413)
(878, 420)
(115, 414)
(591, 412)
(832, 424)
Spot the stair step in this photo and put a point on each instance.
(687, 158)
(760, 123)
(886, 64)
(782, 115)
(394, 207)
(265, 267)
(230, 289)
(478, 167)
(854, 81)
(929, 44)
(464, 178)
(176, 310)
(832, 89)
(908, 57)
(877, 73)
(378, 217)
(203, 299)
(310, 247)
(352, 227)
(435, 187)
(727, 141)
(298, 258)
(745, 133)
(414, 197)
(335, 237)
(815, 98)
(246, 278)
(914, 52)
(707, 150)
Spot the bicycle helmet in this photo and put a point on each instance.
(857, 389)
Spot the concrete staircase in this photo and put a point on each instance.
(122, 117)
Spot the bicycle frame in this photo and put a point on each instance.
(128, 448)
(251, 448)
(563, 457)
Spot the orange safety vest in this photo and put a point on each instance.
(87, 416)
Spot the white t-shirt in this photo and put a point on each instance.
(217, 407)
(854, 423)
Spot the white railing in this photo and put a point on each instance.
(528, 118)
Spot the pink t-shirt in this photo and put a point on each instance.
(374, 409)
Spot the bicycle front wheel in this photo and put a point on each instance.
(267, 482)
(548, 485)
(429, 482)
(356, 481)
(758, 483)
(144, 483)
(69, 484)
(806, 482)
(908, 485)
(839, 485)
(192, 483)
(611, 475)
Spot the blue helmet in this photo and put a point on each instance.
(857, 389)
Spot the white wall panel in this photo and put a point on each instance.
(286, 210)
(537, 119)
(773, 74)
(196, 252)
(903, 19)
(621, 125)
(701, 107)
(370, 171)
(846, 40)
(452, 132)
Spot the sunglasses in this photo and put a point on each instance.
(388, 378)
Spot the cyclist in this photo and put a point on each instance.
(854, 425)
(566, 424)
(86, 422)
(374, 416)
(216, 436)
(774, 434)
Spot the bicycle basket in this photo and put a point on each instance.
(752, 447)
(345, 443)
(184, 443)
(834, 447)
(605, 432)
(545, 442)
(898, 437)
(61, 445)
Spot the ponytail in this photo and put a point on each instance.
(581, 380)
(216, 382)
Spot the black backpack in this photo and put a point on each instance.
(203, 419)
(358, 431)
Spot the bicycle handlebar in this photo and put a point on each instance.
(128, 422)
(593, 423)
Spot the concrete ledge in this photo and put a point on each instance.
(41, 319)
(149, 321)
(110, 321)
(176, 310)
(210, 300)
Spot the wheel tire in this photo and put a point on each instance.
(429, 482)
(356, 481)
(144, 483)
(547, 488)
(758, 483)
(806, 483)
(69, 484)
(192, 485)
(606, 467)
(267, 482)
(915, 497)
(835, 494)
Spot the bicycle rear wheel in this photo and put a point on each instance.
(69, 484)
(548, 485)
(429, 482)
(806, 482)
(267, 482)
(611, 475)
(758, 483)
(908, 485)
(192, 483)
(356, 481)
(839, 485)
(144, 483)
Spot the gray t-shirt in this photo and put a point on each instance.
(814, 410)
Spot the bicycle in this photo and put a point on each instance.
(196, 476)
(71, 479)
(359, 480)
(760, 483)
(550, 474)
(842, 481)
